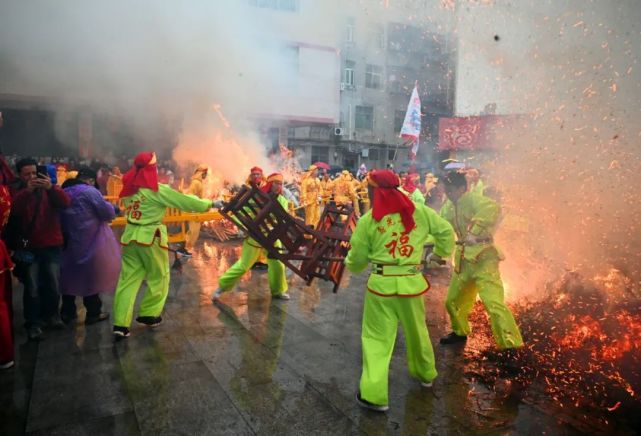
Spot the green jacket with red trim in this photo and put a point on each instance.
(386, 243)
(146, 209)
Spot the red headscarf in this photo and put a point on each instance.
(408, 183)
(144, 174)
(276, 177)
(250, 180)
(5, 207)
(388, 199)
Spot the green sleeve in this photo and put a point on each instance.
(188, 203)
(358, 257)
(446, 211)
(418, 197)
(486, 213)
(442, 232)
(283, 202)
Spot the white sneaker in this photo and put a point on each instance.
(427, 384)
(283, 296)
(217, 294)
(7, 365)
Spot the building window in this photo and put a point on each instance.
(373, 76)
(373, 154)
(399, 117)
(391, 153)
(349, 73)
(364, 117)
(320, 154)
(349, 162)
(349, 35)
(394, 83)
(378, 36)
(315, 132)
(274, 139)
(279, 5)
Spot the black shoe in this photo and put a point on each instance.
(452, 338)
(68, 320)
(259, 266)
(120, 332)
(367, 405)
(102, 316)
(34, 333)
(151, 321)
(183, 252)
(55, 323)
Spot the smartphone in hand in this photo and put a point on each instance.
(41, 171)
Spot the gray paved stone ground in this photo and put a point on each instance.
(252, 366)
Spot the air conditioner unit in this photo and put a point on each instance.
(338, 131)
(343, 86)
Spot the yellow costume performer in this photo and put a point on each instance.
(344, 192)
(430, 182)
(114, 183)
(61, 175)
(310, 192)
(363, 194)
(327, 188)
(197, 189)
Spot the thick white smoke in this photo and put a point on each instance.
(158, 65)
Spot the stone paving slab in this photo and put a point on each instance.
(248, 366)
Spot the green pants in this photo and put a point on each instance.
(482, 278)
(380, 323)
(248, 256)
(141, 263)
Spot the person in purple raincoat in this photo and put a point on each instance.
(91, 258)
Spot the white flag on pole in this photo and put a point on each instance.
(411, 129)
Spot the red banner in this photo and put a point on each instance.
(471, 133)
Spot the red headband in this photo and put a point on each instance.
(144, 174)
(388, 199)
(276, 177)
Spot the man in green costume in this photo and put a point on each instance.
(410, 188)
(252, 251)
(391, 236)
(145, 247)
(476, 264)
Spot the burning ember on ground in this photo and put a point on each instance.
(583, 349)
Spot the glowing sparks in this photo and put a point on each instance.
(219, 112)
(582, 346)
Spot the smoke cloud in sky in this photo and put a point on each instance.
(155, 64)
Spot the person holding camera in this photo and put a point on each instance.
(35, 236)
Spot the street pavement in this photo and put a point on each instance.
(251, 365)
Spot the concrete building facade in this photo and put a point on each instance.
(384, 50)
